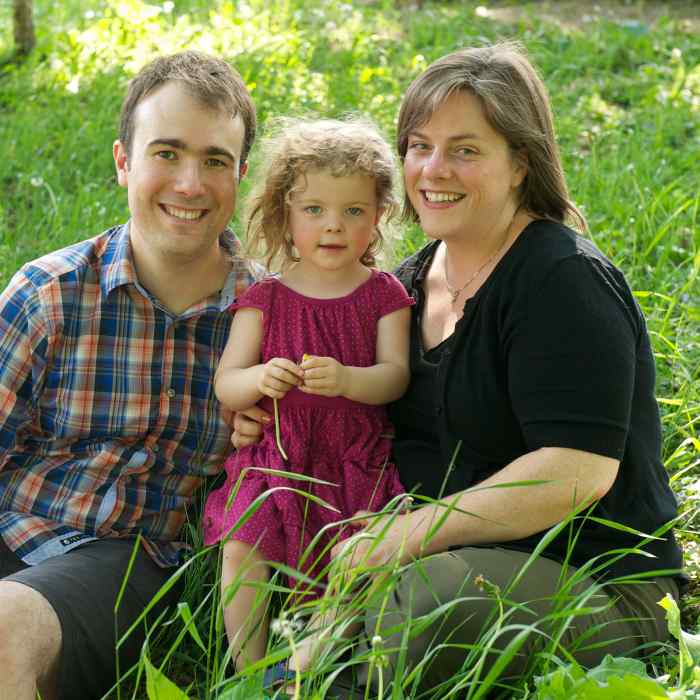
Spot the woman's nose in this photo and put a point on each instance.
(437, 165)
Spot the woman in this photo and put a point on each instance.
(530, 362)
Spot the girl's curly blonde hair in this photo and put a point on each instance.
(296, 146)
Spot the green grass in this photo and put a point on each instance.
(626, 98)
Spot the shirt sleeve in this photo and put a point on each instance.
(24, 342)
(391, 295)
(571, 361)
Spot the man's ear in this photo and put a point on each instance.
(120, 162)
(242, 170)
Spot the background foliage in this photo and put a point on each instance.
(625, 87)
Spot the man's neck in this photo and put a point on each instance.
(178, 284)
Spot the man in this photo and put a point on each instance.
(108, 422)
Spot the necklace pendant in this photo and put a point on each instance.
(454, 294)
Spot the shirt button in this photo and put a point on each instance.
(170, 392)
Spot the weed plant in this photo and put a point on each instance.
(626, 96)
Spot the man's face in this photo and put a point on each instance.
(182, 176)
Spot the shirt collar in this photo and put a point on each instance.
(119, 269)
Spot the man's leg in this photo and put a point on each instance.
(30, 643)
(617, 620)
(81, 588)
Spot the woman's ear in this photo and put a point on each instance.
(521, 165)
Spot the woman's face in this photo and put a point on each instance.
(459, 172)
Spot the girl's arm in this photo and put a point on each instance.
(240, 380)
(381, 383)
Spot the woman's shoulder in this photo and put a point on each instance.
(412, 269)
(545, 246)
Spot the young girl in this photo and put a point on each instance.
(322, 347)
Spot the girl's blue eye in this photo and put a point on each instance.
(313, 209)
(354, 211)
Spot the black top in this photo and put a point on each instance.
(552, 351)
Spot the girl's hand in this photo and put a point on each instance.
(324, 376)
(278, 376)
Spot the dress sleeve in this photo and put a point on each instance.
(257, 296)
(391, 295)
(572, 359)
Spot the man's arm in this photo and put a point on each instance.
(24, 339)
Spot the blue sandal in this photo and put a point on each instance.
(275, 677)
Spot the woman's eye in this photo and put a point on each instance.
(166, 155)
(418, 146)
(465, 151)
(215, 163)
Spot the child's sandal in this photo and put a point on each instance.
(276, 677)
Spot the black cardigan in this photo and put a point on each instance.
(553, 351)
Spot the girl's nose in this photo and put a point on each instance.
(333, 224)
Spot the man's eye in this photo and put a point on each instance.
(166, 155)
(314, 210)
(354, 211)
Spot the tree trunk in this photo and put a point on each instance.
(25, 38)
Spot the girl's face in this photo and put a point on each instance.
(332, 219)
(459, 173)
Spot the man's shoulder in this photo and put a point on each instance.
(73, 260)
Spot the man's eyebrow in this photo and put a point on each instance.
(181, 145)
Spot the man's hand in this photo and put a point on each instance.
(278, 376)
(248, 426)
(324, 376)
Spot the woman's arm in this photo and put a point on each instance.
(492, 512)
(240, 380)
(381, 383)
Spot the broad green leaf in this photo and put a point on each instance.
(159, 686)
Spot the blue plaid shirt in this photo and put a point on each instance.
(108, 420)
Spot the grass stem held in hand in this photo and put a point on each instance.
(278, 439)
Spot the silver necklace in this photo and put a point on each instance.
(454, 293)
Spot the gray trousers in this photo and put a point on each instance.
(442, 605)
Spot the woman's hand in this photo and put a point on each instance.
(391, 539)
(278, 376)
(248, 426)
(324, 376)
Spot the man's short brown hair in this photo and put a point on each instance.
(208, 79)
